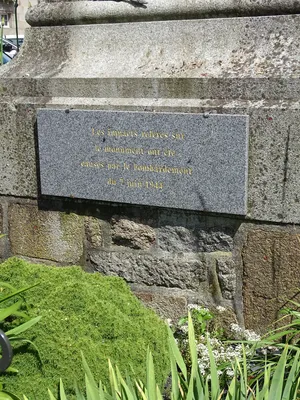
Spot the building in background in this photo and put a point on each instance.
(7, 11)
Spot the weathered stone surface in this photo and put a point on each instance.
(1, 219)
(45, 234)
(227, 277)
(271, 274)
(67, 12)
(274, 184)
(222, 276)
(222, 321)
(93, 232)
(168, 307)
(178, 272)
(180, 238)
(254, 48)
(132, 234)
(1, 232)
(17, 161)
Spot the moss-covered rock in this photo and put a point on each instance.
(80, 311)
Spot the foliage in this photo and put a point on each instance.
(12, 306)
(268, 350)
(81, 311)
(206, 330)
(200, 317)
(190, 384)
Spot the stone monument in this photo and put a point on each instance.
(108, 60)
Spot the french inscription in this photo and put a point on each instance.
(169, 160)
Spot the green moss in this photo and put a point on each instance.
(80, 311)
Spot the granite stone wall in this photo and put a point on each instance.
(247, 64)
(170, 258)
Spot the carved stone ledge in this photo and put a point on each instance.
(79, 12)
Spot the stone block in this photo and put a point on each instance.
(227, 277)
(2, 244)
(185, 272)
(17, 161)
(222, 275)
(274, 165)
(270, 274)
(45, 235)
(166, 306)
(185, 239)
(93, 232)
(78, 12)
(129, 233)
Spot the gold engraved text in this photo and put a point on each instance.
(115, 133)
(163, 169)
(124, 150)
(91, 164)
(97, 132)
(154, 135)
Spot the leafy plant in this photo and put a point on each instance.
(81, 311)
(200, 317)
(8, 312)
(12, 310)
(191, 385)
(268, 350)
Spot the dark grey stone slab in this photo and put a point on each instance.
(176, 160)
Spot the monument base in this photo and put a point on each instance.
(245, 66)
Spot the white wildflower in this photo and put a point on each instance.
(197, 307)
(251, 336)
(244, 334)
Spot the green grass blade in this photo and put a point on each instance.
(79, 395)
(150, 376)
(11, 310)
(264, 393)
(132, 386)
(8, 396)
(290, 381)
(127, 393)
(214, 380)
(22, 328)
(101, 392)
(141, 391)
(51, 397)
(91, 390)
(15, 293)
(62, 393)
(176, 353)
(232, 389)
(91, 386)
(158, 394)
(297, 388)
(175, 378)
(114, 384)
(194, 358)
(278, 377)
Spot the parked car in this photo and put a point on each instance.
(13, 39)
(5, 58)
(9, 48)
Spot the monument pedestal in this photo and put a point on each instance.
(162, 58)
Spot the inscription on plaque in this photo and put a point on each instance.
(176, 160)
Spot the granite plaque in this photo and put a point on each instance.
(176, 160)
